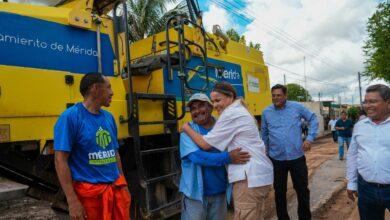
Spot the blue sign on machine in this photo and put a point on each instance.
(217, 71)
(36, 43)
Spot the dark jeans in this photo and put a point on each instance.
(334, 135)
(299, 176)
(372, 200)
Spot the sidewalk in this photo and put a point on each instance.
(10, 189)
(326, 182)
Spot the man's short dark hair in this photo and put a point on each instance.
(383, 90)
(279, 86)
(88, 80)
(343, 112)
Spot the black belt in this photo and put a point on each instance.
(378, 185)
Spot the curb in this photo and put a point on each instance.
(322, 204)
(11, 190)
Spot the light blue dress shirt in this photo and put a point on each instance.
(369, 153)
(281, 130)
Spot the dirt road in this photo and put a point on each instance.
(341, 208)
(323, 150)
(26, 208)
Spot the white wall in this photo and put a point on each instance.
(316, 107)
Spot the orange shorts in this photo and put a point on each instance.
(105, 201)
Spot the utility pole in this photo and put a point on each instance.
(360, 91)
(339, 100)
(319, 96)
(284, 77)
(344, 96)
(304, 73)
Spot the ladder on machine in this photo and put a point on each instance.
(146, 185)
(141, 150)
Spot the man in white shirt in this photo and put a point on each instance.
(368, 159)
(332, 125)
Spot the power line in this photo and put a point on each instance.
(272, 30)
(280, 35)
(310, 78)
(300, 81)
(286, 35)
(278, 30)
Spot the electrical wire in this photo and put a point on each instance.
(275, 32)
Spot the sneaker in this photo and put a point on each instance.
(341, 158)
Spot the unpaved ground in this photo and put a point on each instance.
(26, 208)
(341, 208)
(323, 149)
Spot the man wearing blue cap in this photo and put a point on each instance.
(204, 181)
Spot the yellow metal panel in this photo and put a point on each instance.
(32, 92)
(31, 99)
(59, 15)
(80, 18)
(30, 128)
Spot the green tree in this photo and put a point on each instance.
(242, 40)
(377, 47)
(233, 35)
(148, 17)
(296, 92)
(256, 46)
(353, 113)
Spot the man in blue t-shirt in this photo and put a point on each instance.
(86, 152)
(204, 181)
(344, 132)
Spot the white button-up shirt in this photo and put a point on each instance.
(236, 128)
(332, 124)
(369, 153)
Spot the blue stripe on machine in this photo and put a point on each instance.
(231, 74)
(36, 43)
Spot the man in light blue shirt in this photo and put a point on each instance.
(282, 135)
(204, 181)
(368, 158)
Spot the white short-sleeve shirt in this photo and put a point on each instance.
(332, 124)
(236, 128)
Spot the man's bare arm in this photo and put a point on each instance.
(76, 210)
(119, 162)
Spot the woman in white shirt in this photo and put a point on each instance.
(236, 128)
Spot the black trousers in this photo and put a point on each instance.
(334, 135)
(299, 176)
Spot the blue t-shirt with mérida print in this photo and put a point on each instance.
(91, 141)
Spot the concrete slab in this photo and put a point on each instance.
(11, 190)
(327, 181)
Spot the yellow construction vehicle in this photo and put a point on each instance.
(45, 50)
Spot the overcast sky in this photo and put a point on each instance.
(329, 34)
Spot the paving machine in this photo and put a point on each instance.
(46, 48)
